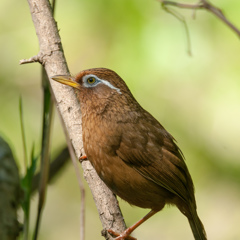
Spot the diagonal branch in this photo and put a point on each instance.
(51, 56)
(204, 4)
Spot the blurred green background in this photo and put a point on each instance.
(196, 98)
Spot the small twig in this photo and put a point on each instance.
(182, 5)
(181, 19)
(41, 56)
(204, 4)
(33, 59)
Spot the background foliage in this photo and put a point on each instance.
(196, 99)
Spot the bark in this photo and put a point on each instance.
(51, 56)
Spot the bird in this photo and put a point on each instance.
(130, 150)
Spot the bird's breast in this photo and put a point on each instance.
(102, 140)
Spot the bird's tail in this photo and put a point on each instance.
(197, 226)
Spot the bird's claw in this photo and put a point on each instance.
(121, 236)
(83, 158)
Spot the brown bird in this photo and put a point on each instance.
(130, 150)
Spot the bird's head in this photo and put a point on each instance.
(98, 88)
(101, 82)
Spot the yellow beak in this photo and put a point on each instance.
(67, 80)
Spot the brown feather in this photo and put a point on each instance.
(131, 151)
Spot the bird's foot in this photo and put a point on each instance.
(121, 236)
(83, 158)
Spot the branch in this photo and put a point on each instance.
(204, 4)
(51, 56)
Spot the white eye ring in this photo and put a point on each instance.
(90, 81)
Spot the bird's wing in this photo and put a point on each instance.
(150, 150)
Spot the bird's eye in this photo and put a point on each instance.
(91, 80)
